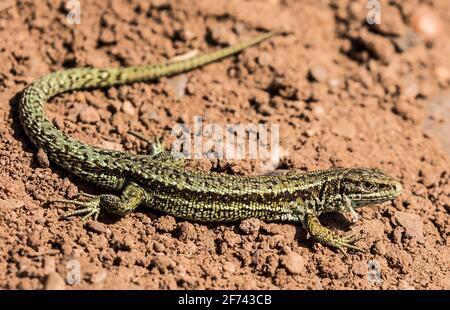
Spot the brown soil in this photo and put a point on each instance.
(344, 93)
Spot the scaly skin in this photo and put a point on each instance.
(160, 182)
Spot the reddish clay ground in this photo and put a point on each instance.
(344, 93)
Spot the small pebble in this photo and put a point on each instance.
(186, 56)
(158, 247)
(128, 108)
(186, 231)
(96, 227)
(265, 59)
(412, 223)
(220, 35)
(34, 239)
(318, 73)
(99, 277)
(409, 88)
(380, 248)
(42, 159)
(231, 238)
(404, 285)
(260, 98)
(163, 263)
(250, 226)
(178, 85)
(89, 116)
(294, 263)
(165, 224)
(186, 35)
(426, 22)
(318, 110)
(402, 108)
(334, 83)
(107, 36)
(72, 191)
(112, 92)
(229, 267)
(442, 73)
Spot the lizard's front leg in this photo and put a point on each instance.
(132, 196)
(327, 237)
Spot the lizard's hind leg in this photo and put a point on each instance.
(132, 196)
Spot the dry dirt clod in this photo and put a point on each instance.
(10, 204)
(42, 159)
(186, 231)
(412, 224)
(165, 224)
(54, 281)
(294, 263)
(96, 227)
(426, 22)
(250, 226)
(178, 85)
(318, 73)
(89, 116)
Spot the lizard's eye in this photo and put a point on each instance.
(368, 186)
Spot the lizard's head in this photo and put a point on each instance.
(365, 186)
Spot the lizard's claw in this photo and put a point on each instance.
(90, 208)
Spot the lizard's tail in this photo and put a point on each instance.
(67, 151)
(95, 78)
(141, 73)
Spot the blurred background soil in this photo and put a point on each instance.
(344, 92)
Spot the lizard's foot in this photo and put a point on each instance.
(90, 208)
(131, 197)
(345, 243)
(327, 237)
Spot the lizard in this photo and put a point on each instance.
(158, 181)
